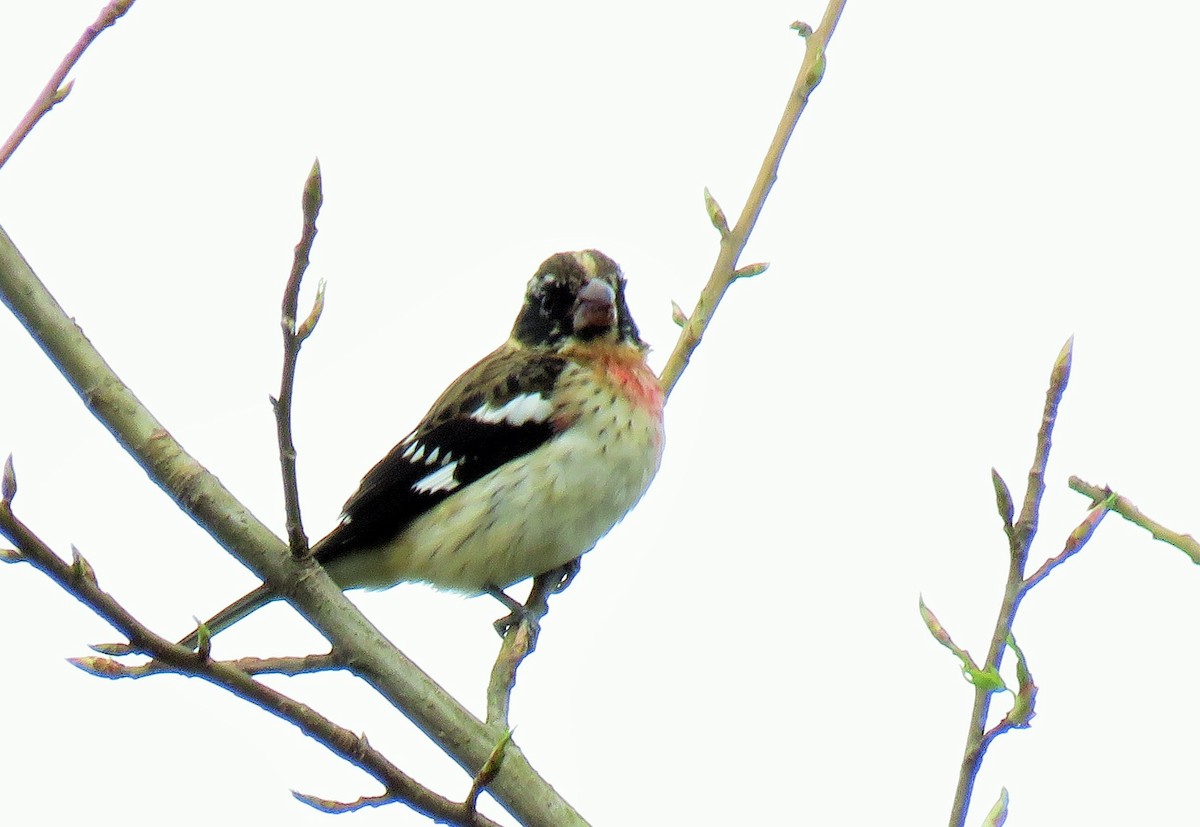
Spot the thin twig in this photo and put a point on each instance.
(487, 773)
(466, 814)
(293, 338)
(733, 241)
(54, 92)
(519, 642)
(302, 665)
(1020, 538)
(521, 639)
(1075, 541)
(1026, 525)
(78, 579)
(1184, 542)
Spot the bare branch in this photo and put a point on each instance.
(78, 579)
(54, 92)
(1026, 526)
(305, 585)
(1020, 536)
(107, 668)
(465, 816)
(292, 340)
(1184, 542)
(1075, 541)
(519, 639)
(733, 241)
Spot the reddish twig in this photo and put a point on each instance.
(54, 92)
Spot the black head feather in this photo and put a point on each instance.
(547, 317)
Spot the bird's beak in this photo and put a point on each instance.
(595, 306)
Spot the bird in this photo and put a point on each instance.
(522, 464)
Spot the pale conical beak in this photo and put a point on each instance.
(595, 306)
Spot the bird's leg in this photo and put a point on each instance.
(537, 604)
(566, 574)
(516, 609)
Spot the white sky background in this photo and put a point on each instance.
(972, 184)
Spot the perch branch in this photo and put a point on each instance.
(304, 584)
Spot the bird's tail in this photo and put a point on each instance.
(232, 613)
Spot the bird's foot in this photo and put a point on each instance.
(536, 605)
(517, 612)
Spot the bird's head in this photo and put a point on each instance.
(575, 297)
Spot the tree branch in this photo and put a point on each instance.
(79, 580)
(54, 93)
(1020, 537)
(293, 338)
(304, 584)
(733, 241)
(1120, 505)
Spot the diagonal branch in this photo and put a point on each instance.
(304, 584)
(733, 241)
(54, 93)
(79, 580)
(1123, 507)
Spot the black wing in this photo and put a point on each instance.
(497, 411)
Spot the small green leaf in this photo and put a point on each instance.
(817, 73)
(8, 486)
(987, 679)
(313, 195)
(101, 667)
(715, 214)
(1022, 711)
(203, 639)
(677, 315)
(81, 569)
(1062, 364)
(999, 812)
(751, 270)
(1004, 500)
(801, 28)
(60, 94)
(491, 767)
(314, 316)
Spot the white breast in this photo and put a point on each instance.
(534, 514)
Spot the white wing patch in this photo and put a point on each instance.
(440, 480)
(528, 407)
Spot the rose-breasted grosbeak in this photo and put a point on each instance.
(522, 464)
